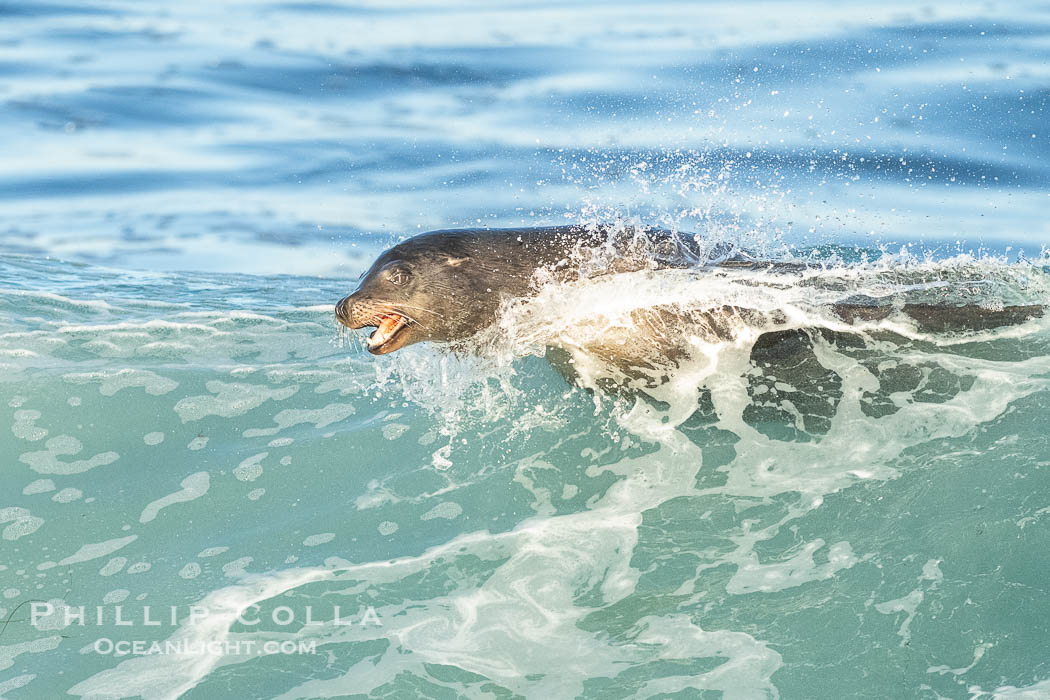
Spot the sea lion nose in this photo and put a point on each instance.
(344, 311)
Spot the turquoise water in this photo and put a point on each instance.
(196, 456)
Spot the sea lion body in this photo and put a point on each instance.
(446, 286)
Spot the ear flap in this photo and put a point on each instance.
(456, 262)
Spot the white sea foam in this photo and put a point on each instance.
(190, 571)
(116, 596)
(21, 522)
(169, 676)
(448, 510)
(24, 426)
(38, 486)
(320, 418)
(110, 381)
(47, 461)
(193, 486)
(16, 682)
(799, 569)
(251, 468)
(88, 552)
(113, 566)
(68, 495)
(229, 400)
(154, 438)
(319, 539)
(10, 652)
(213, 552)
(95, 305)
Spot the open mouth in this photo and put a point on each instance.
(389, 326)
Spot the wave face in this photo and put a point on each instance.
(765, 516)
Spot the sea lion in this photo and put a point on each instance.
(447, 285)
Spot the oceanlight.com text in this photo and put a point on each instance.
(240, 647)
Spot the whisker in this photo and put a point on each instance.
(423, 309)
(412, 320)
(347, 339)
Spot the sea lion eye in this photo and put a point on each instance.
(398, 277)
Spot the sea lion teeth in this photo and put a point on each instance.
(388, 325)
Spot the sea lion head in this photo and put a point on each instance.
(440, 286)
